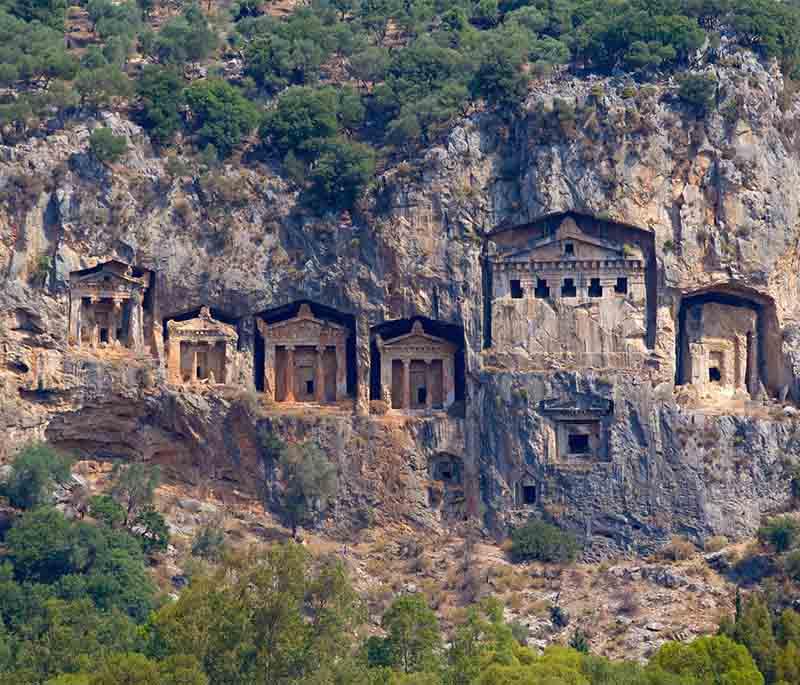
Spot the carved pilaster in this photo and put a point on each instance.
(290, 373)
(341, 371)
(406, 384)
(319, 375)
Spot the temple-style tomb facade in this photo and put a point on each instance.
(305, 358)
(106, 307)
(417, 370)
(201, 349)
(722, 352)
(569, 296)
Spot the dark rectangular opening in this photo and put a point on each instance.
(119, 334)
(309, 387)
(542, 289)
(568, 288)
(714, 374)
(595, 289)
(578, 443)
(529, 494)
(621, 287)
(516, 290)
(104, 335)
(569, 249)
(422, 395)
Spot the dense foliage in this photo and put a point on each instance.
(410, 68)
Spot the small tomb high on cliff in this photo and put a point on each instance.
(201, 349)
(417, 370)
(571, 292)
(305, 357)
(580, 428)
(106, 306)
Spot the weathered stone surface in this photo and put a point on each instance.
(718, 198)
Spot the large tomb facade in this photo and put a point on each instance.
(305, 358)
(106, 307)
(571, 293)
(417, 370)
(201, 349)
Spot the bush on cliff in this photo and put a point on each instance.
(35, 472)
(541, 541)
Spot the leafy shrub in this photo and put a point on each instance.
(161, 94)
(187, 38)
(697, 91)
(105, 509)
(107, 147)
(340, 174)
(35, 471)
(209, 543)
(302, 117)
(541, 541)
(781, 533)
(222, 116)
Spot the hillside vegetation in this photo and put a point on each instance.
(334, 88)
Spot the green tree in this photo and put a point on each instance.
(107, 147)
(221, 115)
(754, 629)
(340, 174)
(134, 486)
(541, 541)
(713, 660)
(279, 617)
(106, 509)
(102, 86)
(209, 543)
(412, 634)
(51, 13)
(301, 118)
(697, 91)
(161, 96)
(782, 532)
(35, 472)
(309, 481)
(187, 38)
(153, 530)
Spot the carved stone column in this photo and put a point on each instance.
(229, 363)
(193, 375)
(174, 360)
(319, 375)
(406, 384)
(269, 370)
(75, 319)
(429, 384)
(448, 381)
(95, 334)
(113, 318)
(136, 324)
(290, 373)
(341, 371)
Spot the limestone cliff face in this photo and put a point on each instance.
(717, 195)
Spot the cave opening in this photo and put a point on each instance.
(728, 334)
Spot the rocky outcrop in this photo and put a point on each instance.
(717, 196)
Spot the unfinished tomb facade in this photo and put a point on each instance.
(201, 349)
(417, 370)
(106, 306)
(565, 294)
(305, 358)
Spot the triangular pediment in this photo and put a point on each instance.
(203, 325)
(113, 273)
(304, 324)
(553, 247)
(577, 405)
(418, 338)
